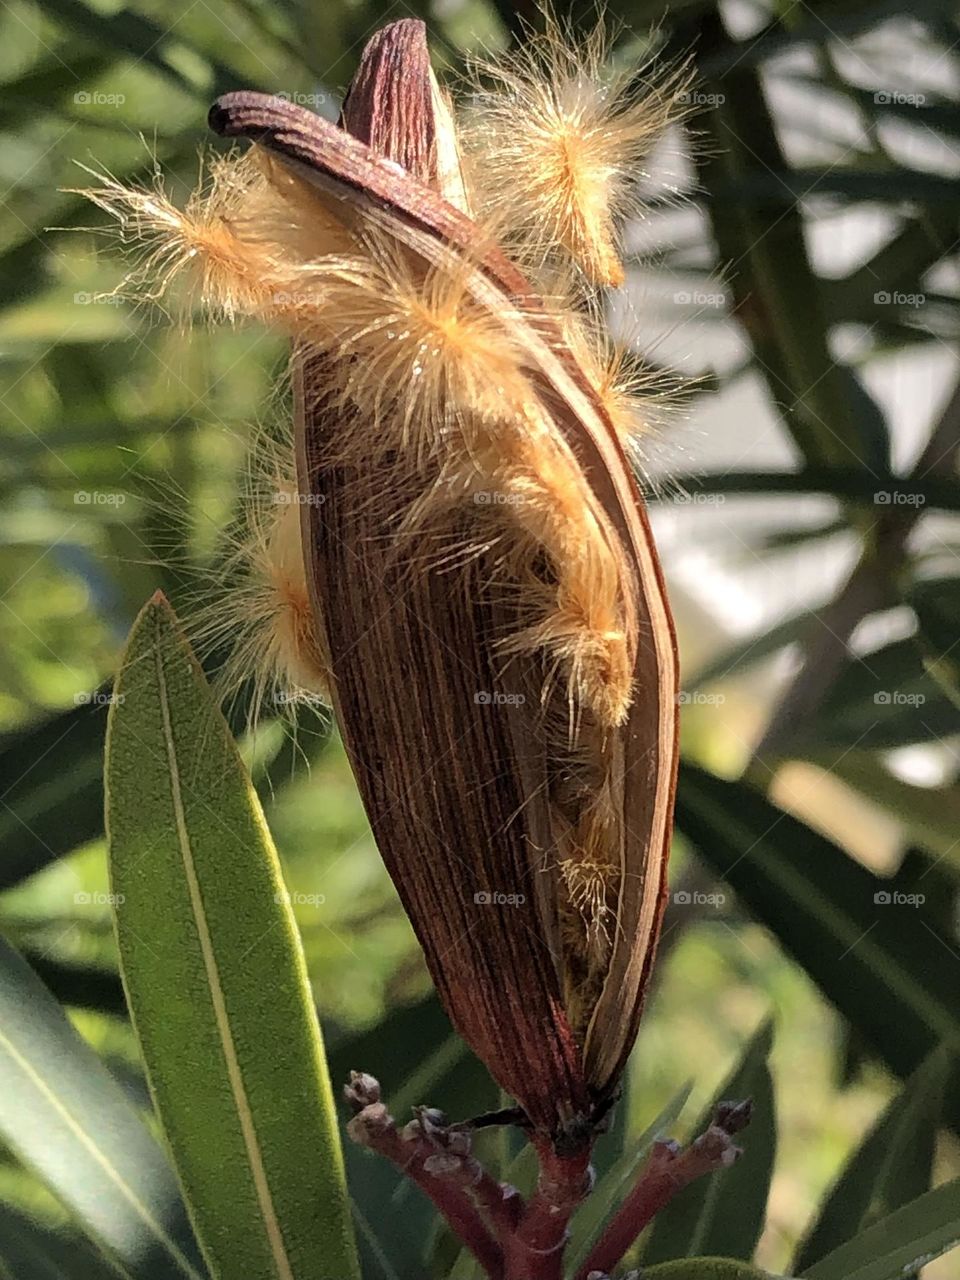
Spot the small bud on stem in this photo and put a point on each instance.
(667, 1171)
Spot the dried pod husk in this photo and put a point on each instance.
(521, 799)
(487, 605)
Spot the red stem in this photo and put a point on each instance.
(440, 1164)
(667, 1171)
(500, 1203)
(535, 1249)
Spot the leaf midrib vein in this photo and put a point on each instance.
(212, 972)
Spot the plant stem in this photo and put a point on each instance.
(438, 1160)
(668, 1170)
(535, 1249)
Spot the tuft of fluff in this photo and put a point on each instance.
(261, 613)
(415, 354)
(555, 137)
(531, 500)
(250, 241)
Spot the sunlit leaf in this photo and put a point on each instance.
(66, 1118)
(215, 976)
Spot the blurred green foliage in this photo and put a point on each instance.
(121, 456)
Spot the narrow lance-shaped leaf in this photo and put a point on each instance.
(899, 1244)
(66, 1117)
(216, 979)
(834, 916)
(706, 1269)
(34, 1252)
(891, 1166)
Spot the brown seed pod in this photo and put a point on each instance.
(485, 590)
(524, 817)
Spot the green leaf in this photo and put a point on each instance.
(891, 1166)
(51, 781)
(123, 33)
(880, 962)
(84, 986)
(936, 602)
(900, 1243)
(215, 976)
(847, 483)
(826, 408)
(723, 1214)
(883, 699)
(753, 649)
(68, 1119)
(32, 1252)
(705, 1269)
(930, 814)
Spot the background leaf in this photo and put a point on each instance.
(722, 1214)
(893, 1165)
(834, 916)
(898, 1244)
(67, 1119)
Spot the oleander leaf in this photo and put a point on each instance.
(66, 1118)
(215, 976)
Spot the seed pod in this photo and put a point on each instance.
(523, 811)
(486, 595)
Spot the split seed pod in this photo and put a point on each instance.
(485, 589)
